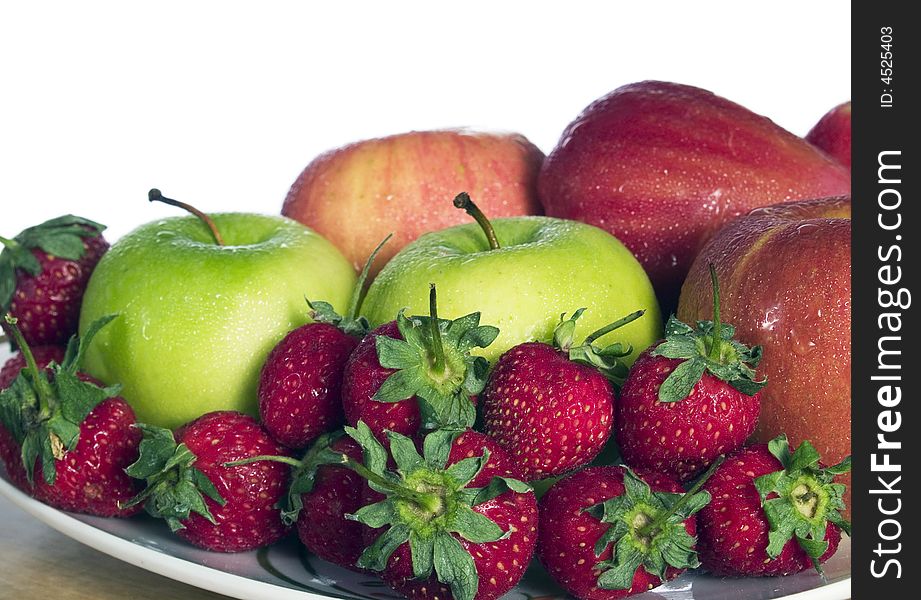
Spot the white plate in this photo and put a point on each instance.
(285, 571)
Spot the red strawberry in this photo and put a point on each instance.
(773, 512)
(9, 449)
(363, 378)
(301, 381)
(690, 398)
(417, 374)
(208, 502)
(64, 438)
(605, 532)
(43, 274)
(322, 493)
(12, 462)
(452, 522)
(91, 478)
(551, 407)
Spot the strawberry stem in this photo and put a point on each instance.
(429, 502)
(154, 195)
(438, 350)
(357, 294)
(293, 462)
(464, 202)
(45, 394)
(653, 528)
(716, 345)
(11, 244)
(612, 326)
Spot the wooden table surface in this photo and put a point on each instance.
(38, 562)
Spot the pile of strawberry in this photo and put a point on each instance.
(397, 452)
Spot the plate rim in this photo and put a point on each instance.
(230, 584)
(178, 569)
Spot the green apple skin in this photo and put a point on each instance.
(544, 267)
(197, 320)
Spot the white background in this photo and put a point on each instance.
(221, 104)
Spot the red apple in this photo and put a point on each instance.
(833, 134)
(785, 284)
(355, 195)
(663, 166)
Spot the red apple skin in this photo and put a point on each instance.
(404, 184)
(663, 166)
(785, 284)
(833, 134)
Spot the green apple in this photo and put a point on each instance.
(543, 267)
(197, 319)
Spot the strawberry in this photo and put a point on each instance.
(301, 381)
(690, 398)
(43, 274)
(321, 494)
(774, 512)
(65, 439)
(417, 374)
(204, 500)
(451, 522)
(607, 532)
(551, 407)
(9, 449)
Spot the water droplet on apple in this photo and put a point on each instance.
(801, 341)
(806, 228)
(770, 318)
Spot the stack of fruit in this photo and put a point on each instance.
(402, 426)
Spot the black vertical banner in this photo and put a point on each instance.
(885, 264)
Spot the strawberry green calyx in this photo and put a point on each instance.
(61, 237)
(428, 505)
(607, 359)
(352, 323)
(709, 347)
(647, 530)
(801, 499)
(174, 486)
(433, 364)
(43, 409)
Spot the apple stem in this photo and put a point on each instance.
(357, 294)
(438, 365)
(612, 326)
(716, 344)
(464, 202)
(154, 195)
(653, 528)
(45, 394)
